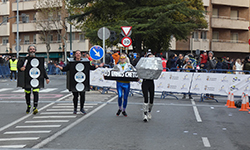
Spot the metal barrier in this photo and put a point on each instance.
(227, 71)
(188, 70)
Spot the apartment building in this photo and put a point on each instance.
(227, 32)
(30, 32)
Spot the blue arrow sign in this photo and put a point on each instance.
(96, 52)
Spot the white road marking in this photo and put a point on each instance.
(46, 121)
(26, 116)
(18, 91)
(19, 139)
(71, 104)
(56, 113)
(47, 90)
(65, 91)
(70, 107)
(54, 136)
(206, 142)
(40, 126)
(44, 117)
(27, 132)
(196, 112)
(5, 89)
(71, 110)
(12, 146)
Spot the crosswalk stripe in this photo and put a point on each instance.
(12, 146)
(47, 90)
(70, 107)
(41, 126)
(71, 110)
(18, 91)
(56, 113)
(19, 139)
(65, 91)
(5, 89)
(46, 121)
(71, 104)
(43, 117)
(26, 132)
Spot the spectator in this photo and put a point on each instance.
(219, 64)
(116, 57)
(228, 63)
(238, 66)
(211, 64)
(136, 60)
(172, 61)
(246, 66)
(180, 61)
(204, 57)
(109, 59)
(187, 65)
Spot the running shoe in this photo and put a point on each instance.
(83, 111)
(118, 112)
(124, 113)
(35, 111)
(28, 109)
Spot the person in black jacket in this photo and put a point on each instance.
(21, 67)
(78, 56)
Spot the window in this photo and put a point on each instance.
(216, 12)
(58, 38)
(81, 37)
(215, 36)
(50, 16)
(73, 36)
(51, 38)
(4, 1)
(195, 35)
(5, 40)
(25, 19)
(34, 39)
(34, 17)
(26, 39)
(59, 15)
(234, 37)
(204, 35)
(5, 19)
(234, 14)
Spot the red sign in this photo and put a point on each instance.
(126, 29)
(249, 41)
(126, 41)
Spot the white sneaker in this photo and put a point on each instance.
(149, 115)
(145, 118)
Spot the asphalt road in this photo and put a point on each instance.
(176, 124)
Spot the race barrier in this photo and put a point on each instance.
(186, 82)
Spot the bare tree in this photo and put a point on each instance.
(51, 18)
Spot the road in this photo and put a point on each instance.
(176, 124)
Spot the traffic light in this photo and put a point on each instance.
(112, 37)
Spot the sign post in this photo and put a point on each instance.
(103, 33)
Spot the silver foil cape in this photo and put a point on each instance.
(149, 68)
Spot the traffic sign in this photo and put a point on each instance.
(249, 41)
(71, 53)
(106, 33)
(126, 29)
(18, 49)
(96, 52)
(126, 41)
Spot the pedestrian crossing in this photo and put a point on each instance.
(20, 90)
(37, 127)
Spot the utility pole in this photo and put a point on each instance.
(17, 31)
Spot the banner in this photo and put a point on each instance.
(185, 82)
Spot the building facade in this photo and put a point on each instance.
(227, 32)
(30, 32)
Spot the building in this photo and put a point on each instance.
(30, 32)
(227, 33)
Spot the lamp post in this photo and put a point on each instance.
(17, 31)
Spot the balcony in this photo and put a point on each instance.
(4, 8)
(32, 26)
(202, 44)
(24, 5)
(237, 3)
(228, 23)
(230, 46)
(41, 47)
(205, 3)
(5, 29)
